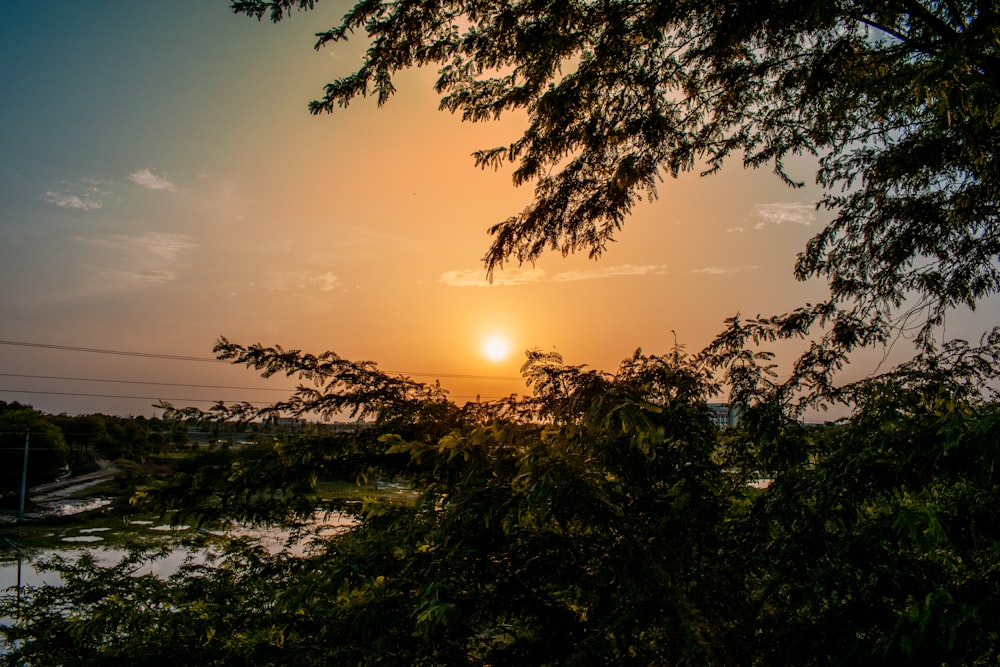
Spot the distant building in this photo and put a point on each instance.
(724, 415)
(291, 423)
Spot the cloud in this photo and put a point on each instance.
(85, 195)
(737, 228)
(168, 247)
(299, 281)
(64, 200)
(477, 277)
(147, 179)
(719, 270)
(612, 271)
(777, 213)
(125, 276)
(325, 282)
(151, 257)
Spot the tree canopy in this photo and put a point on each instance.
(602, 520)
(21, 425)
(897, 100)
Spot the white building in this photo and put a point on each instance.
(724, 415)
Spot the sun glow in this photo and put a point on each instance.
(496, 347)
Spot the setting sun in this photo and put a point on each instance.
(496, 347)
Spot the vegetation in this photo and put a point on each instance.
(896, 100)
(20, 425)
(61, 444)
(603, 519)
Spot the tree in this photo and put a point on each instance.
(592, 512)
(880, 545)
(896, 99)
(86, 433)
(601, 520)
(46, 445)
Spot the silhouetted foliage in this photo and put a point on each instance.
(602, 520)
(46, 446)
(897, 102)
(592, 512)
(881, 546)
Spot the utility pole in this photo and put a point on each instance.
(24, 477)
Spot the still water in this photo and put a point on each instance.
(17, 566)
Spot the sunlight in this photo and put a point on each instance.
(496, 347)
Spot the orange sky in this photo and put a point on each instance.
(161, 184)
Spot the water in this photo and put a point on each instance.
(76, 542)
(22, 573)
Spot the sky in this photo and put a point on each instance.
(163, 184)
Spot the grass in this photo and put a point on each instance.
(106, 531)
(347, 490)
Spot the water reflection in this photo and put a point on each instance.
(188, 544)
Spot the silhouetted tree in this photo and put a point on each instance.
(897, 101)
(46, 447)
(602, 520)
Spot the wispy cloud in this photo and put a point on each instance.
(152, 276)
(151, 244)
(325, 282)
(612, 271)
(778, 213)
(300, 281)
(64, 200)
(477, 277)
(152, 181)
(722, 270)
(85, 195)
(144, 258)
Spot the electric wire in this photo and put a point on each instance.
(145, 382)
(73, 348)
(179, 357)
(133, 397)
(193, 400)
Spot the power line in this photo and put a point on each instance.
(161, 384)
(71, 348)
(178, 357)
(138, 398)
(192, 400)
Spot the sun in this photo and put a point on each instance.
(496, 347)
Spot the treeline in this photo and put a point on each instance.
(60, 444)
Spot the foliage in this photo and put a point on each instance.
(883, 550)
(897, 100)
(112, 615)
(113, 437)
(46, 447)
(592, 512)
(601, 520)
(751, 374)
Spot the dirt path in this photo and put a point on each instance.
(66, 487)
(48, 496)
